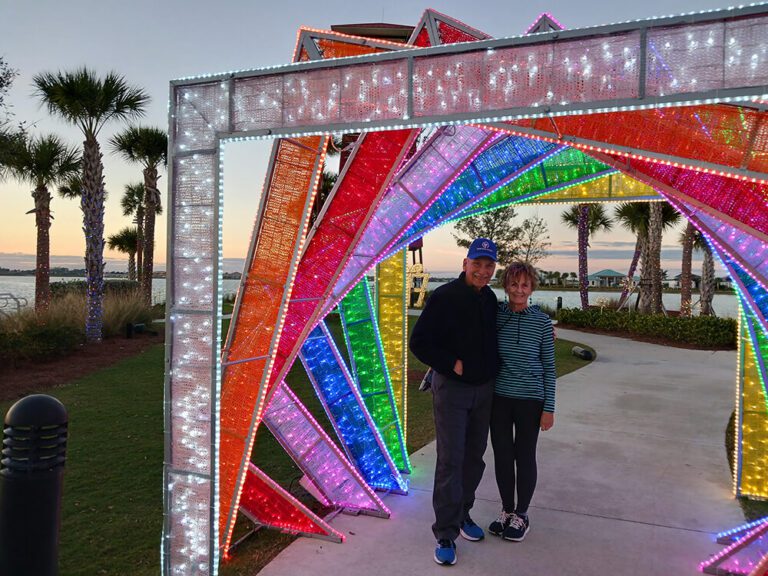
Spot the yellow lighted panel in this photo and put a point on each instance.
(754, 426)
(391, 312)
(617, 187)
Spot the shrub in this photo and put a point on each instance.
(111, 287)
(120, 310)
(701, 331)
(29, 336)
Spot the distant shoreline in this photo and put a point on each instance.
(69, 273)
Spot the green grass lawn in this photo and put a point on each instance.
(112, 505)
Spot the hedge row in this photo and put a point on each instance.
(38, 342)
(113, 287)
(700, 331)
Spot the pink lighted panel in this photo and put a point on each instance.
(737, 199)
(316, 454)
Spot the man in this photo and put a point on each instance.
(456, 336)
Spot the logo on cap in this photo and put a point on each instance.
(482, 248)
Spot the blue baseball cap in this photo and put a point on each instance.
(482, 247)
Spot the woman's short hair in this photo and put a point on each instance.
(517, 268)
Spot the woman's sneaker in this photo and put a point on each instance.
(498, 526)
(445, 553)
(517, 529)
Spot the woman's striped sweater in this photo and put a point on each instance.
(527, 353)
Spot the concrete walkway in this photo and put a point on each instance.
(633, 480)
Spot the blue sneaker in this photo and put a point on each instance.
(471, 531)
(445, 553)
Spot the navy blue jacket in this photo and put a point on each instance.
(458, 323)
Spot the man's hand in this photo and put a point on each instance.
(458, 368)
(547, 420)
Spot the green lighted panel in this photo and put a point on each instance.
(369, 369)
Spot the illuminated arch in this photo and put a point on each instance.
(580, 114)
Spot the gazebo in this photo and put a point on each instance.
(452, 124)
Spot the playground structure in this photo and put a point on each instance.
(671, 108)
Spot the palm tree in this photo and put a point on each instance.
(89, 102)
(686, 240)
(632, 216)
(126, 241)
(148, 147)
(707, 291)
(43, 162)
(132, 203)
(588, 219)
(635, 217)
(661, 216)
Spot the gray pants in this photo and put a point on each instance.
(462, 417)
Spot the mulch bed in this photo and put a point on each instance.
(40, 376)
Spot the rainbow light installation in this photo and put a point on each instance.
(501, 163)
(750, 252)
(571, 73)
(318, 456)
(718, 135)
(753, 410)
(260, 309)
(343, 215)
(336, 234)
(419, 184)
(747, 556)
(392, 312)
(564, 168)
(369, 370)
(347, 412)
(734, 534)
(698, 146)
(258, 503)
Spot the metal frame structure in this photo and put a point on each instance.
(633, 76)
(405, 89)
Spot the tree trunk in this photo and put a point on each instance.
(92, 205)
(42, 200)
(685, 276)
(139, 241)
(583, 238)
(132, 266)
(654, 254)
(631, 271)
(151, 202)
(644, 305)
(707, 282)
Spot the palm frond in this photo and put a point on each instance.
(82, 98)
(144, 145)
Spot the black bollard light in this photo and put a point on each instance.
(31, 477)
(559, 305)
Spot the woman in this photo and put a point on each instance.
(524, 398)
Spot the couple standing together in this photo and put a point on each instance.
(494, 367)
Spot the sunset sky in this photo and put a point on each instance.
(153, 42)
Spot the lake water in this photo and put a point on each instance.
(724, 304)
(24, 287)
